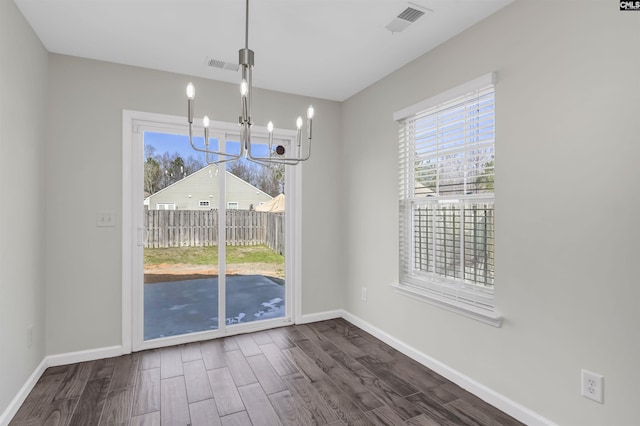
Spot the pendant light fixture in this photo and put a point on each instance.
(277, 155)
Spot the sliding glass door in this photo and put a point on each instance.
(212, 239)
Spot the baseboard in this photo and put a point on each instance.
(488, 395)
(83, 356)
(18, 400)
(320, 316)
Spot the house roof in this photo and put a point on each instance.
(209, 168)
(276, 205)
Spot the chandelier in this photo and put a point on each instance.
(278, 155)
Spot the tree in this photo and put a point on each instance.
(162, 170)
(151, 176)
(267, 178)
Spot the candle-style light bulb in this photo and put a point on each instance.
(244, 88)
(270, 130)
(299, 123)
(205, 123)
(310, 113)
(191, 91)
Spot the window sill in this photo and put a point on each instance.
(488, 317)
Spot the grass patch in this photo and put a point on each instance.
(209, 255)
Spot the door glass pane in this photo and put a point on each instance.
(180, 237)
(255, 215)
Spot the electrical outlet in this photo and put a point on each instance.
(29, 336)
(364, 294)
(592, 386)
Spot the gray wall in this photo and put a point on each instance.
(566, 203)
(23, 91)
(84, 157)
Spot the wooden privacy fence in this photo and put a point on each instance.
(198, 228)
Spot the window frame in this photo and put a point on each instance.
(455, 294)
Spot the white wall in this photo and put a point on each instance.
(567, 176)
(23, 89)
(84, 158)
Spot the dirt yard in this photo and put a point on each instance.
(165, 272)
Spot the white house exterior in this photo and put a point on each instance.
(199, 191)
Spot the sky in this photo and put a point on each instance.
(171, 143)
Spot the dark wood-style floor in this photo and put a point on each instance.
(329, 372)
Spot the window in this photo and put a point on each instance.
(204, 203)
(232, 205)
(447, 162)
(165, 206)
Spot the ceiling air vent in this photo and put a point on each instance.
(217, 63)
(407, 17)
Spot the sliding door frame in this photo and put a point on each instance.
(134, 124)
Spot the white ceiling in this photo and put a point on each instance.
(328, 49)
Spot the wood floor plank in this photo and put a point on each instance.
(247, 345)
(498, 416)
(240, 371)
(343, 343)
(103, 368)
(204, 413)
(237, 419)
(290, 412)
(383, 372)
(117, 407)
(150, 359)
(294, 334)
(314, 352)
(174, 409)
(421, 420)
(350, 385)
(190, 352)
(305, 364)
(196, 381)
(346, 410)
(147, 395)
(435, 410)
(91, 402)
(468, 413)
(384, 416)
(308, 397)
(213, 354)
(415, 374)
(258, 406)
(75, 381)
(386, 394)
(278, 360)
(58, 413)
(125, 371)
(266, 375)
(280, 338)
(310, 333)
(42, 394)
(170, 362)
(149, 419)
(225, 393)
(261, 337)
(230, 344)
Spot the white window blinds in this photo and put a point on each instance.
(447, 162)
